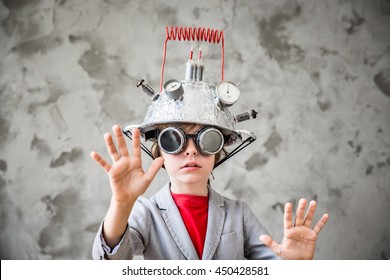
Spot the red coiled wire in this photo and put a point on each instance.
(195, 34)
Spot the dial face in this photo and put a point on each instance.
(172, 85)
(173, 88)
(228, 93)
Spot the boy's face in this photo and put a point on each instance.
(190, 166)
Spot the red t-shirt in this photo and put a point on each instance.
(194, 212)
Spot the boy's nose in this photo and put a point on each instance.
(191, 147)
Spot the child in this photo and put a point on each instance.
(187, 219)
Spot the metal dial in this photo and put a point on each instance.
(228, 93)
(173, 88)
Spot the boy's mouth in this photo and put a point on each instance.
(191, 164)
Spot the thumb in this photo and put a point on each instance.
(269, 242)
(266, 239)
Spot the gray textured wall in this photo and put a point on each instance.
(318, 72)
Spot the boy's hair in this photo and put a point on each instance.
(155, 149)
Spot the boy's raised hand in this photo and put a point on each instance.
(299, 241)
(127, 178)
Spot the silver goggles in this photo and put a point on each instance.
(173, 140)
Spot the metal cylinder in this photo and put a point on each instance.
(190, 70)
(194, 71)
(147, 89)
(199, 72)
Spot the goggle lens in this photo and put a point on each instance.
(211, 141)
(171, 140)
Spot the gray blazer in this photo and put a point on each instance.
(156, 231)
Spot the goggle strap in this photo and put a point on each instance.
(143, 147)
(151, 134)
(243, 145)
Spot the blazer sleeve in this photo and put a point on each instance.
(133, 241)
(254, 249)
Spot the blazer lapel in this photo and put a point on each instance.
(215, 223)
(175, 224)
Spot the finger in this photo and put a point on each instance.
(154, 168)
(267, 240)
(300, 213)
(100, 161)
(288, 216)
(120, 140)
(136, 144)
(321, 223)
(310, 213)
(111, 147)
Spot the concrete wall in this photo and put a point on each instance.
(317, 71)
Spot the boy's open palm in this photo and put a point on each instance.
(299, 239)
(127, 178)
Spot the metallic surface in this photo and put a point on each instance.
(199, 104)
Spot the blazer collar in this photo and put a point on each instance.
(176, 227)
(171, 215)
(215, 223)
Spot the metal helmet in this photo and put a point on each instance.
(196, 102)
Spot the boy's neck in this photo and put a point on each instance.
(199, 189)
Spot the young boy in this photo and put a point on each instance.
(187, 219)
